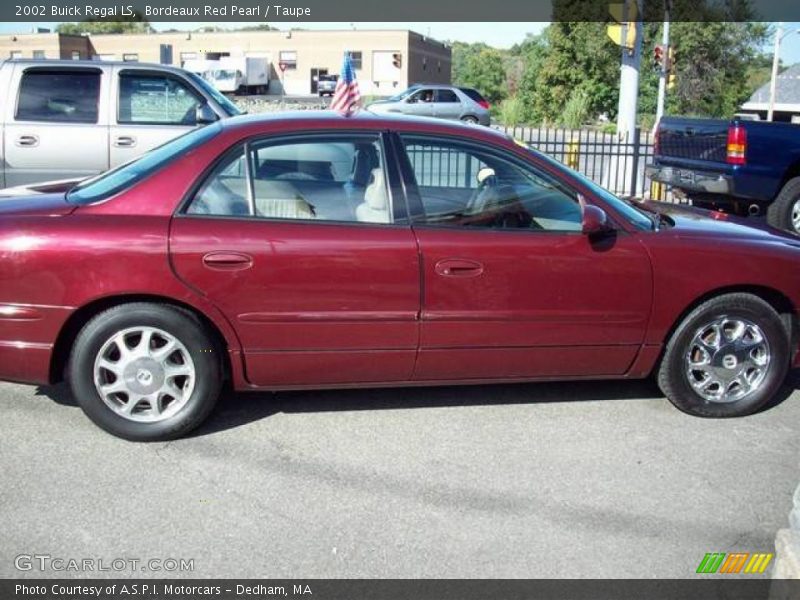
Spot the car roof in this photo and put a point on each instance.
(71, 64)
(364, 119)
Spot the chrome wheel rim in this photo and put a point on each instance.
(144, 374)
(796, 216)
(727, 359)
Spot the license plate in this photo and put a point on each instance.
(686, 176)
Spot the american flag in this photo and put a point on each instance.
(346, 97)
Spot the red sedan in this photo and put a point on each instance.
(323, 251)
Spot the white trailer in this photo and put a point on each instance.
(249, 74)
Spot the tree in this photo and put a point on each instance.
(134, 24)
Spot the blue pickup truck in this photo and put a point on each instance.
(743, 167)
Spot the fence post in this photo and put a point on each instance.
(637, 134)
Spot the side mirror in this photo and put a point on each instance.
(594, 220)
(204, 114)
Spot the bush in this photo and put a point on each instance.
(576, 111)
(512, 111)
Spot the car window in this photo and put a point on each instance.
(333, 179)
(111, 182)
(155, 99)
(67, 96)
(421, 96)
(446, 96)
(465, 186)
(473, 94)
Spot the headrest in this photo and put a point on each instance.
(375, 194)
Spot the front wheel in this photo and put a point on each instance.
(784, 212)
(145, 372)
(727, 358)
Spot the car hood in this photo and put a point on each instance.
(691, 221)
(47, 205)
(61, 186)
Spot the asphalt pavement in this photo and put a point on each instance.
(590, 479)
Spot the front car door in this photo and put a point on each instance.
(420, 103)
(317, 269)
(56, 127)
(512, 288)
(151, 107)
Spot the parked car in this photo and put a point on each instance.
(326, 85)
(316, 251)
(73, 119)
(440, 101)
(743, 166)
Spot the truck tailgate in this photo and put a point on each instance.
(694, 139)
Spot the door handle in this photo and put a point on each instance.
(458, 267)
(27, 140)
(227, 261)
(125, 141)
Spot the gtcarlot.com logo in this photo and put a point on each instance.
(47, 562)
(734, 562)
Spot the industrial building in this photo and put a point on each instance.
(386, 62)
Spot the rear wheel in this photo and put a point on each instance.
(145, 372)
(784, 212)
(470, 119)
(727, 358)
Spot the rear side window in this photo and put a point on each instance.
(66, 96)
(155, 99)
(473, 94)
(446, 96)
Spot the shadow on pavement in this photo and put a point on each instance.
(240, 408)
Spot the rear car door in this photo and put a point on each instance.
(315, 265)
(511, 287)
(56, 127)
(447, 105)
(151, 107)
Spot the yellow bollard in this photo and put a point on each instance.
(573, 153)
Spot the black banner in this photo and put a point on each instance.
(299, 11)
(734, 588)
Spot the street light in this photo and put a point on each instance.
(773, 82)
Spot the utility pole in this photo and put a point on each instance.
(773, 82)
(665, 66)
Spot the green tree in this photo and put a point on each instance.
(134, 24)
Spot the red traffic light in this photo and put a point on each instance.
(658, 55)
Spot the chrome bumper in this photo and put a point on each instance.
(691, 179)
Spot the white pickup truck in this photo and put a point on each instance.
(65, 119)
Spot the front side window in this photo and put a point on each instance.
(422, 95)
(461, 185)
(155, 99)
(322, 179)
(68, 96)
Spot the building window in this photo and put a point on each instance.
(356, 58)
(15, 54)
(76, 55)
(130, 57)
(188, 56)
(289, 58)
(39, 54)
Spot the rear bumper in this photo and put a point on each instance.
(691, 179)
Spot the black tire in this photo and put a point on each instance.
(470, 119)
(673, 378)
(779, 213)
(180, 324)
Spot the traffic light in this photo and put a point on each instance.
(626, 22)
(397, 60)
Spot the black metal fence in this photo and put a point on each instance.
(614, 162)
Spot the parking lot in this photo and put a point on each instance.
(544, 480)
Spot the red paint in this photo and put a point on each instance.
(304, 304)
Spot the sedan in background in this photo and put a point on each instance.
(320, 251)
(439, 101)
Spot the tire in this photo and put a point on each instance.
(185, 382)
(676, 374)
(784, 212)
(470, 119)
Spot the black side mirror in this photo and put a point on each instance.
(204, 114)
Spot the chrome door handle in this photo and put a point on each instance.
(125, 141)
(27, 141)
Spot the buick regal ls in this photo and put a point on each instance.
(321, 251)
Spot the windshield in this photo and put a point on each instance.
(404, 94)
(224, 74)
(229, 107)
(634, 215)
(124, 176)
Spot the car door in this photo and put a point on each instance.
(151, 107)
(511, 286)
(447, 105)
(319, 277)
(56, 125)
(419, 104)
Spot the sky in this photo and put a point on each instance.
(499, 35)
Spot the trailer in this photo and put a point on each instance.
(242, 74)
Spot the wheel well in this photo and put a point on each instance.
(792, 172)
(777, 300)
(80, 317)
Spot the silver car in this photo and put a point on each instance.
(440, 101)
